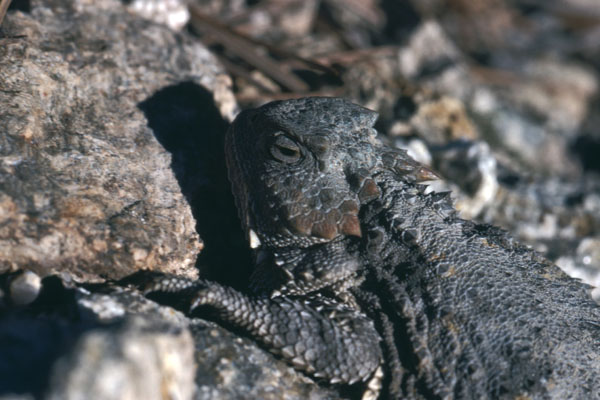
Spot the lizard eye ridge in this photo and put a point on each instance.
(285, 150)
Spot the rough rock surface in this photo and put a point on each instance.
(87, 190)
(230, 367)
(126, 356)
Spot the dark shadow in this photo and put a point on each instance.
(186, 121)
(401, 19)
(587, 148)
(34, 337)
(20, 5)
(586, 145)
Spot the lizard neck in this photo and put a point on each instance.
(405, 215)
(298, 271)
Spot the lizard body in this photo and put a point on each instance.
(357, 267)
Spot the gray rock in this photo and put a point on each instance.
(97, 346)
(87, 190)
(527, 112)
(472, 167)
(120, 345)
(230, 367)
(136, 358)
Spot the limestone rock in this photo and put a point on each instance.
(87, 190)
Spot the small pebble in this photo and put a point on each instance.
(25, 288)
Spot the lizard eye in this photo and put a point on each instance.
(285, 150)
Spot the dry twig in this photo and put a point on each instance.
(246, 50)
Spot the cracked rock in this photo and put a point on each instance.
(87, 191)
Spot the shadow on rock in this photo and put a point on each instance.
(33, 337)
(587, 144)
(186, 121)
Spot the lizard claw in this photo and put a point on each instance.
(205, 294)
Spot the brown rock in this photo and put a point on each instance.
(86, 189)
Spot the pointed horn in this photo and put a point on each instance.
(424, 173)
(401, 163)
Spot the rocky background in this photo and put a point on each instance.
(112, 115)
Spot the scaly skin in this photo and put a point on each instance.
(358, 267)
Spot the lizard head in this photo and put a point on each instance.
(301, 169)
